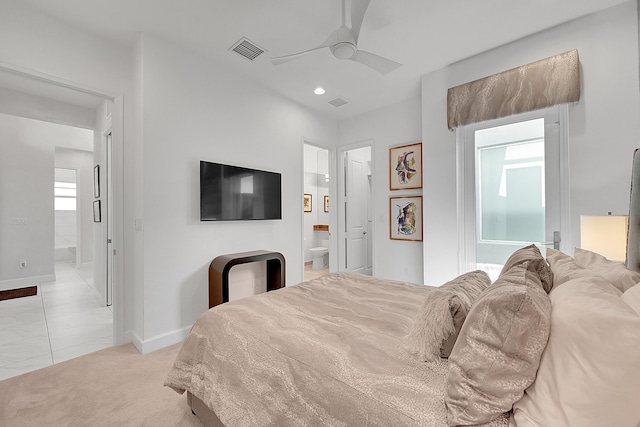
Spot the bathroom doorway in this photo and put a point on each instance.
(316, 211)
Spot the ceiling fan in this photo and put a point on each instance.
(343, 42)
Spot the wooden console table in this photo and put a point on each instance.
(220, 266)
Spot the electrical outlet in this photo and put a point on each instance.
(23, 263)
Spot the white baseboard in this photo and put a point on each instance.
(157, 342)
(6, 285)
(134, 339)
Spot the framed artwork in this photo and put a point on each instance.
(405, 167)
(405, 215)
(96, 181)
(307, 203)
(97, 217)
(326, 203)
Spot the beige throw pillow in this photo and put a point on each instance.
(537, 262)
(439, 320)
(498, 351)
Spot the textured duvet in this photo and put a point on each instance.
(330, 351)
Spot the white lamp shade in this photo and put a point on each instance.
(605, 235)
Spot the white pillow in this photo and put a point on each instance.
(632, 297)
(614, 271)
(589, 373)
(566, 268)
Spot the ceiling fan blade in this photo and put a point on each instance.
(286, 58)
(330, 41)
(382, 65)
(358, 10)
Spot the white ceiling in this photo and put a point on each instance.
(423, 35)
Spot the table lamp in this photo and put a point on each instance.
(605, 235)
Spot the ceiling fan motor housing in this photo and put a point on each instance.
(343, 50)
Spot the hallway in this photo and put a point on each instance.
(64, 320)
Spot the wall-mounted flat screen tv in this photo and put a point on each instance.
(234, 193)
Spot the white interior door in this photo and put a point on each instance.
(357, 236)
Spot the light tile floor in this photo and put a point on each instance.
(310, 273)
(65, 320)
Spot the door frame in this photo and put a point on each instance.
(341, 249)
(107, 139)
(117, 184)
(466, 187)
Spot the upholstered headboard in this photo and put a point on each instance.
(633, 236)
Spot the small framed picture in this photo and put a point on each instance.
(405, 167)
(405, 214)
(97, 217)
(307, 203)
(326, 203)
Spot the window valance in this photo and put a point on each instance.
(550, 81)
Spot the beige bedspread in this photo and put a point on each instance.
(326, 352)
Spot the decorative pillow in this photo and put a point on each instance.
(632, 297)
(498, 351)
(566, 268)
(614, 271)
(532, 254)
(439, 320)
(589, 371)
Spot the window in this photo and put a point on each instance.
(510, 181)
(64, 190)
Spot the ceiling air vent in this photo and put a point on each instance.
(337, 102)
(247, 49)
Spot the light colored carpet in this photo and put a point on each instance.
(114, 386)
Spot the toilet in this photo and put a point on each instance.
(320, 256)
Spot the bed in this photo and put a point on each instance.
(554, 341)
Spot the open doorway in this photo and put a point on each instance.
(355, 213)
(316, 207)
(66, 225)
(59, 103)
(51, 247)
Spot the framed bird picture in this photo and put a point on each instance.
(405, 167)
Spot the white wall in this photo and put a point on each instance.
(396, 124)
(193, 110)
(603, 125)
(39, 108)
(34, 41)
(27, 159)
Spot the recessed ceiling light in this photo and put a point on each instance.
(319, 91)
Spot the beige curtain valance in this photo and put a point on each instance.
(551, 81)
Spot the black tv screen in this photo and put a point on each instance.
(233, 193)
